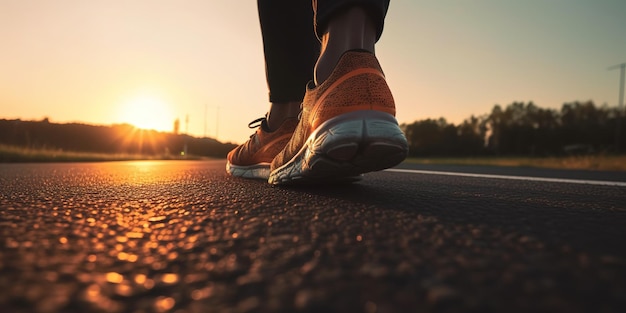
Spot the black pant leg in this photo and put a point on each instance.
(290, 46)
(326, 9)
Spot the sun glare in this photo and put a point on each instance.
(147, 112)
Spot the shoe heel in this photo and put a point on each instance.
(356, 143)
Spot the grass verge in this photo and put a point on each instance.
(12, 154)
(587, 162)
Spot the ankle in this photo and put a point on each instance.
(350, 30)
(281, 111)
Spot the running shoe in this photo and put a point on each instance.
(252, 159)
(347, 127)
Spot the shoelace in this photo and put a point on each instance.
(256, 123)
(259, 121)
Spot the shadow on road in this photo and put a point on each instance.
(560, 215)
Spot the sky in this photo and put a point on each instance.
(104, 62)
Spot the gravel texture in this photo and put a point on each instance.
(184, 237)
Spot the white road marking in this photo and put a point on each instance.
(527, 178)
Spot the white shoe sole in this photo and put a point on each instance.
(345, 147)
(256, 171)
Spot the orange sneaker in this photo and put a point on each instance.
(252, 158)
(347, 127)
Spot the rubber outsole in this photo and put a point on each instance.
(345, 147)
(256, 171)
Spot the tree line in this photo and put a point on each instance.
(521, 129)
(116, 139)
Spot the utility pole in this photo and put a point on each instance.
(205, 120)
(620, 106)
(187, 124)
(185, 152)
(217, 121)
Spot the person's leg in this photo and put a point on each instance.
(346, 25)
(291, 49)
(347, 125)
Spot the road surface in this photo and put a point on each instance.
(182, 236)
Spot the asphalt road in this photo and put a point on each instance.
(184, 237)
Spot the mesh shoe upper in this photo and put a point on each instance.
(357, 83)
(260, 148)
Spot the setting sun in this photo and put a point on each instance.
(147, 112)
